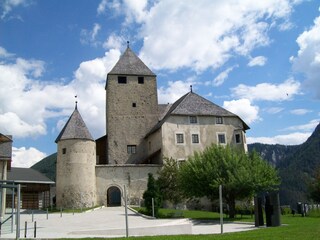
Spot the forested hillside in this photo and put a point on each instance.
(296, 166)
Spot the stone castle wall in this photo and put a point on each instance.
(76, 179)
(134, 177)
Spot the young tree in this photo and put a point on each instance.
(152, 192)
(168, 181)
(241, 175)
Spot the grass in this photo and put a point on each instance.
(293, 227)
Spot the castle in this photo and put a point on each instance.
(140, 133)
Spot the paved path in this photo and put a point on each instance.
(110, 222)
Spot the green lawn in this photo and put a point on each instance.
(293, 227)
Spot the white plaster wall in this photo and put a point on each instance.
(207, 130)
(76, 182)
(135, 177)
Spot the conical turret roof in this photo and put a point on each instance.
(75, 128)
(130, 64)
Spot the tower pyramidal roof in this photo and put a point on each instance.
(75, 128)
(130, 64)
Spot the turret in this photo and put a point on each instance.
(76, 160)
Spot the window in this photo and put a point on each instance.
(219, 120)
(122, 79)
(181, 162)
(141, 80)
(179, 137)
(221, 138)
(193, 119)
(195, 138)
(134, 104)
(238, 138)
(64, 150)
(131, 149)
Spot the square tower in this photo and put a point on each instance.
(131, 109)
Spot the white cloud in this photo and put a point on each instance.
(219, 80)
(310, 126)
(102, 6)
(307, 60)
(8, 5)
(257, 61)
(206, 34)
(89, 36)
(274, 110)
(26, 157)
(174, 91)
(4, 53)
(114, 41)
(300, 111)
(267, 91)
(289, 139)
(23, 95)
(243, 108)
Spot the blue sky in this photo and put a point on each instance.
(258, 59)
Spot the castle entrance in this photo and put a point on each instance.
(113, 197)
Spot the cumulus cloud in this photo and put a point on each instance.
(274, 110)
(206, 34)
(174, 91)
(27, 93)
(288, 139)
(267, 91)
(114, 41)
(244, 109)
(257, 61)
(307, 60)
(26, 157)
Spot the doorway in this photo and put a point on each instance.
(113, 197)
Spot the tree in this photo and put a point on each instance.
(240, 174)
(152, 192)
(315, 187)
(168, 181)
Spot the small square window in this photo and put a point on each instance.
(179, 137)
(193, 119)
(219, 120)
(221, 138)
(134, 104)
(122, 79)
(141, 80)
(64, 150)
(195, 138)
(238, 138)
(132, 149)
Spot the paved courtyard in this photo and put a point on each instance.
(110, 222)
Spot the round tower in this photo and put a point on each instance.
(76, 160)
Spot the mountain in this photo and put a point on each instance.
(47, 166)
(296, 166)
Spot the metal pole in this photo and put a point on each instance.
(47, 213)
(221, 208)
(32, 216)
(152, 202)
(126, 211)
(35, 229)
(25, 229)
(12, 209)
(18, 212)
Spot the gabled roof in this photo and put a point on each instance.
(130, 64)
(75, 128)
(192, 104)
(27, 175)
